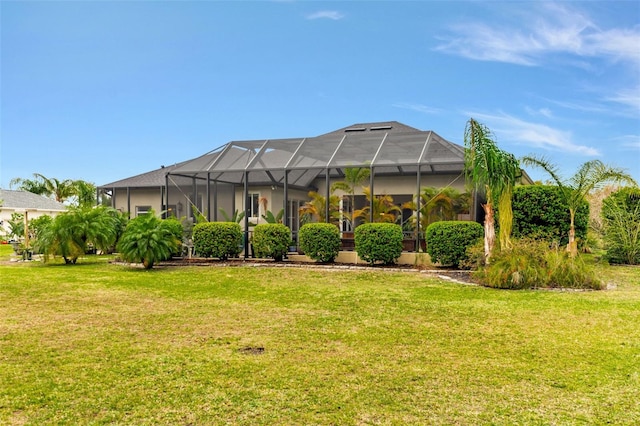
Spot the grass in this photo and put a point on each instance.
(97, 343)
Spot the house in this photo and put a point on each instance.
(26, 203)
(272, 174)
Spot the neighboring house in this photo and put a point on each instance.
(279, 173)
(33, 205)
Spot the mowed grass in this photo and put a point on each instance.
(97, 343)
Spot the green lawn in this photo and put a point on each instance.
(98, 343)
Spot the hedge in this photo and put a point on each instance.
(217, 239)
(320, 241)
(447, 241)
(539, 212)
(378, 242)
(271, 240)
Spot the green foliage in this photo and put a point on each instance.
(532, 264)
(494, 172)
(320, 241)
(236, 217)
(447, 242)
(271, 240)
(217, 239)
(540, 211)
(590, 175)
(148, 239)
(37, 228)
(378, 242)
(72, 233)
(269, 217)
(177, 230)
(315, 209)
(438, 204)
(84, 193)
(16, 225)
(79, 192)
(384, 210)
(621, 219)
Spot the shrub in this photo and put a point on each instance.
(271, 240)
(621, 220)
(320, 241)
(217, 239)
(539, 212)
(37, 228)
(148, 239)
(532, 264)
(378, 242)
(176, 229)
(447, 241)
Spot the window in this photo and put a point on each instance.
(140, 210)
(253, 205)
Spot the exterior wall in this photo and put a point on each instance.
(274, 198)
(140, 197)
(6, 212)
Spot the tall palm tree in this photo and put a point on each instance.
(589, 176)
(35, 186)
(353, 177)
(495, 172)
(85, 193)
(60, 190)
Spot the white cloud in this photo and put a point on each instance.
(629, 97)
(326, 14)
(555, 29)
(629, 142)
(514, 130)
(545, 112)
(417, 107)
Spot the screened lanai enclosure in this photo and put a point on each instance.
(275, 175)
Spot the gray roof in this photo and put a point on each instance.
(154, 178)
(389, 146)
(27, 200)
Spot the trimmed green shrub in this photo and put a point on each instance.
(378, 242)
(531, 264)
(540, 213)
(217, 239)
(447, 241)
(271, 240)
(320, 241)
(621, 220)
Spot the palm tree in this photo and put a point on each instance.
(495, 172)
(353, 177)
(590, 176)
(35, 186)
(60, 190)
(439, 204)
(72, 232)
(85, 193)
(148, 239)
(383, 208)
(316, 208)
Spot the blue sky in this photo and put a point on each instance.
(105, 90)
